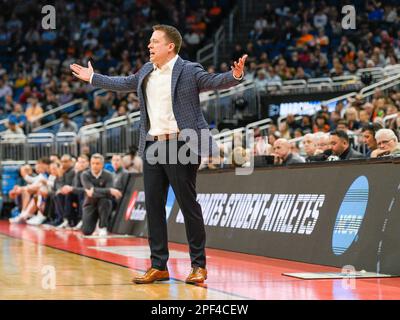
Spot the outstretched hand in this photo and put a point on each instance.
(82, 72)
(238, 66)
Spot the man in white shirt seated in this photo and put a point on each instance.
(25, 193)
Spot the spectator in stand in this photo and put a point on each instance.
(122, 111)
(306, 124)
(284, 130)
(27, 94)
(387, 142)
(55, 158)
(193, 39)
(352, 117)
(309, 146)
(33, 113)
(321, 124)
(292, 123)
(261, 146)
(5, 90)
(18, 116)
(49, 104)
(334, 118)
(67, 125)
(283, 154)
(364, 118)
(13, 134)
(99, 110)
(133, 102)
(340, 145)
(8, 106)
(323, 148)
(368, 134)
(343, 125)
(272, 137)
(370, 110)
(66, 94)
(261, 81)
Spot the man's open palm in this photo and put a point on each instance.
(82, 72)
(238, 66)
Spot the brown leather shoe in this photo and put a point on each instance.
(151, 276)
(197, 275)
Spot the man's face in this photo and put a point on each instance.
(39, 168)
(384, 142)
(309, 146)
(369, 139)
(338, 145)
(96, 165)
(54, 169)
(66, 163)
(281, 149)
(18, 108)
(83, 164)
(160, 48)
(116, 162)
(323, 144)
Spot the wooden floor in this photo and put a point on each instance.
(24, 266)
(46, 264)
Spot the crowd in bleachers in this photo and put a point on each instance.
(34, 62)
(355, 129)
(292, 41)
(304, 39)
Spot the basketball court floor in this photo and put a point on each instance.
(46, 264)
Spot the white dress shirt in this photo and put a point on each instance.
(157, 88)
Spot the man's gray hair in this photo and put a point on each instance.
(98, 156)
(312, 136)
(388, 133)
(66, 156)
(320, 135)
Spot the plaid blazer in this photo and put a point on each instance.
(188, 80)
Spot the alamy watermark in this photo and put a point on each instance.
(49, 20)
(197, 147)
(48, 277)
(349, 20)
(349, 279)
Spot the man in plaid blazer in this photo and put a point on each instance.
(168, 88)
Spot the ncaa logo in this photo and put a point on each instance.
(350, 216)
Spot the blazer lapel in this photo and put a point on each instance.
(178, 67)
(149, 69)
(143, 116)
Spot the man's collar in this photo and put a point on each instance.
(170, 64)
(345, 153)
(97, 176)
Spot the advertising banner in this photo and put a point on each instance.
(337, 214)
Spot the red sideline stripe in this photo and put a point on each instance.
(131, 205)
